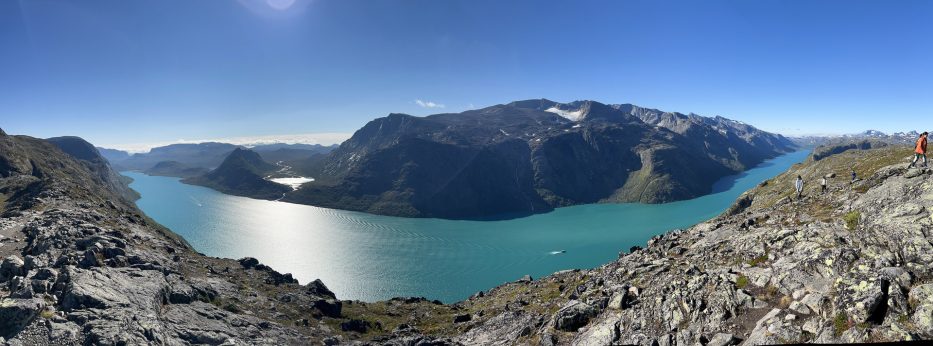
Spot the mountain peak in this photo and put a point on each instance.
(539, 104)
(248, 159)
(241, 173)
(77, 147)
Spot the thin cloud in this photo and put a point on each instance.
(428, 104)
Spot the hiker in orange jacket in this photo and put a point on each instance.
(920, 150)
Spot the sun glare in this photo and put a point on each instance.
(280, 5)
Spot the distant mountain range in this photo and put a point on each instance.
(185, 160)
(512, 159)
(904, 138)
(532, 156)
(175, 169)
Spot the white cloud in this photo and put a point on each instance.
(325, 138)
(428, 104)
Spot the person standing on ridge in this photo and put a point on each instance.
(799, 186)
(823, 185)
(854, 177)
(920, 150)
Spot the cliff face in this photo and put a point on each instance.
(532, 156)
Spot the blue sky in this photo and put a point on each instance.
(122, 72)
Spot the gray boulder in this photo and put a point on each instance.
(573, 315)
(10, 267)
(17, 313)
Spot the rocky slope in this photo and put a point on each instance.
(242, 173)
(532, 156)
(82, 265)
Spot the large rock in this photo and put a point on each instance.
(503, 329)
(10, 267)
(17, 313)
(103, 288)
(605, 332)
(318, 288)
(573, 315)
(922, 297)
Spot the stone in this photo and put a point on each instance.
(814, 301)
(355, 325)
(923, 318)
(606, 332)
(502, 329)
(617, 302)
(921, 294)
(248, 262)
(462, 318)
(799, 308)
(914, 173)
(573, 315)
(328, 307)
(723, 339)
(10, 267)
(318, 288)
(17, 313)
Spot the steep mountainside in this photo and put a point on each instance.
(242, 173)
(175, 169)
(532, 156)
(88, 155)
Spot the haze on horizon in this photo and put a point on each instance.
(141, 73)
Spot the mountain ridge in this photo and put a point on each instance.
(530, 156)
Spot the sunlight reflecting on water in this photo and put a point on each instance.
(372, 257)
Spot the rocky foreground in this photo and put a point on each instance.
(82, 265)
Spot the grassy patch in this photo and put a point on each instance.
(47, 314)
(851, 218)
(741, 282)
(758, 261)
(840, 323)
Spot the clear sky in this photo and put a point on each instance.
(121, 72)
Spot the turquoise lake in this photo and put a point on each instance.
(371, 257)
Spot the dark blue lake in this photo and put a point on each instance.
(371, 257)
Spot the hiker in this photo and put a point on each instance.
(823, 185)
(799, 186)
(920, 150)
(854, 177)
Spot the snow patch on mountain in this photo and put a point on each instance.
(572, 115)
